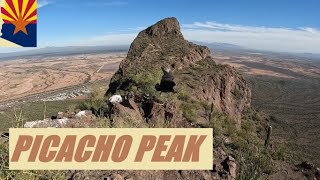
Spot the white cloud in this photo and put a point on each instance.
(281, 39)
(112, 39)
(140, 28)
(43, 3)
(300, 40)
(103, 40)
(264, 38)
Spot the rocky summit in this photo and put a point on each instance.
(196, 73)
(205, 94)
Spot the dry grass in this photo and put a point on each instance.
(6, 174)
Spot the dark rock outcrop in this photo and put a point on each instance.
(164, 45)
(195, 73)
(159, 45)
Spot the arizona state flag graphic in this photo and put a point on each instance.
(18, 23)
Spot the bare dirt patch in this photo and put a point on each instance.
(28, 76)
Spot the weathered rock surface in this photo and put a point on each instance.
(81, 119)
(158, 45)
(164, 45)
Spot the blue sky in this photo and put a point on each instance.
(279, 25)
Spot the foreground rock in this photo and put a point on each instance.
(81, 119)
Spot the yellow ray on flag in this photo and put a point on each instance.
(24, 6)
(16, 7)
(32, 18)
(9, 10)
(4, 17)
(33, 8)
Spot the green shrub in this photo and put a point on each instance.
(126, 121)
(280, 153)
(145, 81)
(236, 93)
(161, 123)
(248, 149)
(189, 112)
(103, 122)
(184, 95)
(247, 126)
(222, 124)
(96, 101)
(252, 166)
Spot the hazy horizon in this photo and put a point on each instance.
(286, 26)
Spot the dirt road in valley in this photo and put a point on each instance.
(37, 77)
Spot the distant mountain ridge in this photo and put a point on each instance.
(218, 45)
(69, 50)
(73, 50)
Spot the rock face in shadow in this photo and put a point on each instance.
(163, 44)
